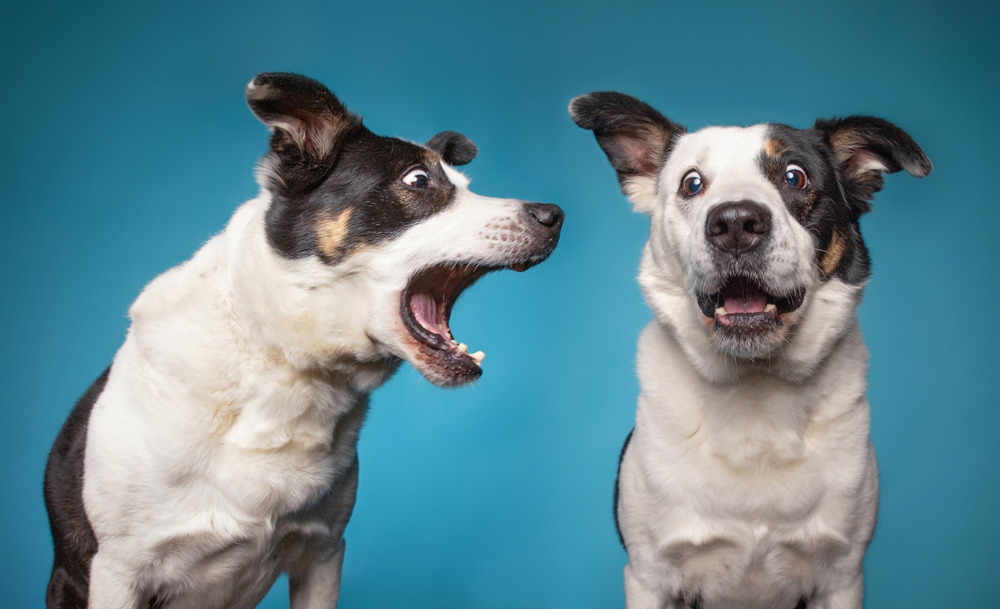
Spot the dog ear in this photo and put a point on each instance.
(635, 137)
(454, 148)
(866, 147)
(307, 122)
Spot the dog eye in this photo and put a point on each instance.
(795, 177)
(691, 185)
(417, 178)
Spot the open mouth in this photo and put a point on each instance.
(426, 311)
(742, 303)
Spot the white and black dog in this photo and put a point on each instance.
(218, 450)
(749, 480)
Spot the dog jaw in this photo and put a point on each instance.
(358, 314)
(485, 235)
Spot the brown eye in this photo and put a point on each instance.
(795, 177)
(417, 178)
(691, 184)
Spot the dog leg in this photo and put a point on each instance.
(112, 584)
(314, 583)
(848, 597)
(319, 586)
(640, 596)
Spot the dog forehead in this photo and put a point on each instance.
(717, 150)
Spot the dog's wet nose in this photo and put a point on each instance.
(547, 214)
(737, 228)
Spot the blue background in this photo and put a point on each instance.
(127, 143)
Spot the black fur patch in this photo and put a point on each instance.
(822, 207)
(346, 168)
(836, 156)
(621, 456)
(366, 180)
(454, 148)
(636, 138)
(75, 543)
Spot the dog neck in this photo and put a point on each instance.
(237, 313)
(756, 417)
(301, 311)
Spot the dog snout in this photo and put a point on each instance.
(738, 228)
(546, 214)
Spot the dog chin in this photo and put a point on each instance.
(747, 320)
(425, 311)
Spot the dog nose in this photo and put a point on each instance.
(547, 214)
(737, 228)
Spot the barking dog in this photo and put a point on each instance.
(749, 480)
(218, 450)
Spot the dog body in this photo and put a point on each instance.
(219, 449)
(749, 480)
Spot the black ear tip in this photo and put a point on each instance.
(264, 84)
(922, 168)
(585, 109)
(455, 148)
(604, 110)
(577, 104)
(257, 88)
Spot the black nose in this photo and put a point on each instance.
(737, 228)
(546, 214)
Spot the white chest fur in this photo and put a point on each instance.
(210, 455)
(750, 494)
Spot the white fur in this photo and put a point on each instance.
(235, 402)
(746, 484)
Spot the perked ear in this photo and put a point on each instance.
(635, 137)
(307, 121)
(866, 147)
(454, 148)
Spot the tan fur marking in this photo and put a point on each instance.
(844, 143)
(331, 231)
(773, 148)
(834, 252)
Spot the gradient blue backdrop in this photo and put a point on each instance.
(127, 143)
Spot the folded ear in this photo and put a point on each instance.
(454, 148)
(866, 147)
(307, 122)
(635, 137)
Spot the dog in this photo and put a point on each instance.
(219, 448)
(749, 479)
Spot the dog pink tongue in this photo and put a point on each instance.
(425, 309)
(744, 298)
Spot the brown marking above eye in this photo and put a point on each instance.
(331, 231)
(834, 252)
(773, 148)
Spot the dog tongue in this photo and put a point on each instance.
(425, 309)
(743, 297)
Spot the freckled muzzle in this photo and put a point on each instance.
(427, 302)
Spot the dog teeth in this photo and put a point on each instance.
(769, 308)
(720, 311)
(478, 357)
(463, 348)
